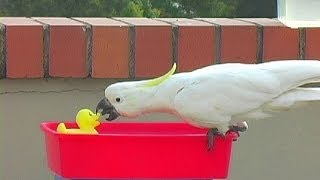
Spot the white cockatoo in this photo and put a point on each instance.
(218, 97)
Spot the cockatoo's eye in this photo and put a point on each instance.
(118, 99)
(90, 114)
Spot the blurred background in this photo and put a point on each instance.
(139, 8)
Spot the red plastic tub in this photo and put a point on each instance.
(137, 150)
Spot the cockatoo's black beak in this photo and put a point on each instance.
(107, 108)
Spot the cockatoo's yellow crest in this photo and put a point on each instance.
(159, 80)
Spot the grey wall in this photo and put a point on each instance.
(285, 147)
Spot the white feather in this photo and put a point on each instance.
(218, 95)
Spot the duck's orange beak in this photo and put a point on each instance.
(96, 123)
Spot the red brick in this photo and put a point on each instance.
(313, 43)
(238, 40)
(153, 46)
(67, 48)
(110, 48)
(24, 48)
(279, 42)
(196, 43)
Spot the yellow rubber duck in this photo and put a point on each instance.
(86, 121)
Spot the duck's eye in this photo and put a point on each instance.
(118, 99)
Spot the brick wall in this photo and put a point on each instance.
(43, 47)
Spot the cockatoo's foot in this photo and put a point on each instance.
(210, 135)
(238, 129)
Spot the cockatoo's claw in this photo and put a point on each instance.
(210, 135)
(238, 129)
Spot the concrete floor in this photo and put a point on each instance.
(285, 147)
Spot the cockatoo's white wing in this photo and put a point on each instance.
(214, 94)
(213, 97)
